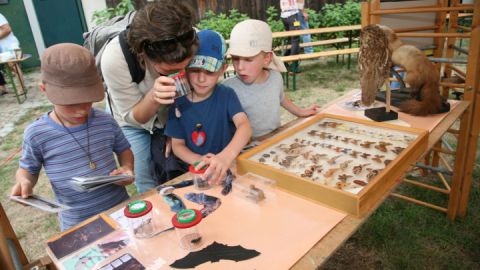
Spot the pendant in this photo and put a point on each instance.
(178, 114)
(92, 165)
(199, 137)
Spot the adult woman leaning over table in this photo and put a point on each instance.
(163, 40)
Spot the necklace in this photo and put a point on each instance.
(199, 137)
(91, 164)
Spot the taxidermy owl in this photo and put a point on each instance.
(374, 62)
(422, 77)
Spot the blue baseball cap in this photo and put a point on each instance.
(211, 52)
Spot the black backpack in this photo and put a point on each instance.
(97, 39)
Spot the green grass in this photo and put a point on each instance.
(7, 173)
(10, 144)
(402, 235)
(328, 74)
(14, 139)
(321, 82)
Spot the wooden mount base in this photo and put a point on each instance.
(380, 114)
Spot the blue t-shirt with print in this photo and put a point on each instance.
(215, 114)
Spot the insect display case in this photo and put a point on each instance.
(345, 163)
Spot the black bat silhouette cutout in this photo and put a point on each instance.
(214, 253)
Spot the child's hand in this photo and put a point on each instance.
(22, 188)
(123, 170)
(163, 90)
(311, 110)
(217, 168)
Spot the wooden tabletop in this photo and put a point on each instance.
(325, 247)
(15, 60)
(349, 225)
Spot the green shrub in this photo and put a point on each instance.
(104, 15)
(273, 20)
(314, 18)
(275, 23)
(337, 14)
(222, 22)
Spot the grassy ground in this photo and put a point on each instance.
(399, 235)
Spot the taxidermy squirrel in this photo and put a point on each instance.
(422, 76)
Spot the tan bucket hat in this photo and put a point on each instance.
(249, 38)
(70, 75)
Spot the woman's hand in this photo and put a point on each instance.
(163, 90)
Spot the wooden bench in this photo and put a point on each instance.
(230, 70)
(315, 55)
(314, 31)
(336, 42)
(299, 57)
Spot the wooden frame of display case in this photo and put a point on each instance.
(355, 204)
(446, 31)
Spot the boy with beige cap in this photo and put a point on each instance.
(74, 139)
(258, 83)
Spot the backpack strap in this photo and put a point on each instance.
(136, 71)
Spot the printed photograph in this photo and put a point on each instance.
(79, 238)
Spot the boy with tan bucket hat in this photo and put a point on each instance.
(258, 82)
(74, 139)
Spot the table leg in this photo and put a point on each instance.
(12, 82)
(19, 73)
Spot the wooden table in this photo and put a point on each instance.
(326, 246)
(320, 253)
(13, 66)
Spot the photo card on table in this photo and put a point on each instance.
(74, 240)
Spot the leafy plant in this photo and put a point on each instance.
(338, 14)
(275, 23)
(314, 18)
(273, 20)
(104, 15)
(222, 23)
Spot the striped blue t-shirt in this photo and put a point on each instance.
(48, 144)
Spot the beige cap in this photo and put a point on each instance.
(70, 75)
(249, 38)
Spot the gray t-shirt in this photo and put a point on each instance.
(261, 102)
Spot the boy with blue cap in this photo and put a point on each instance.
(210, 126)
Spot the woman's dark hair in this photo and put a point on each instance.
(163, 31)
